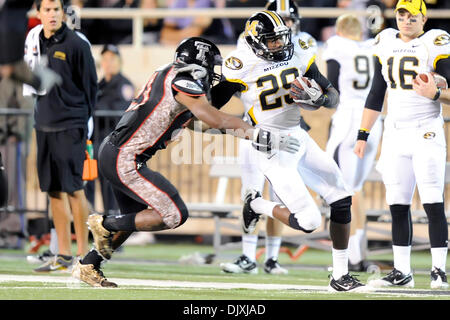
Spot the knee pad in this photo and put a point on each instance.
(305, 222)
(340, 211)
(437, 224)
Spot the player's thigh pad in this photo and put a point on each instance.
(251, 176)
(281, 172)
(429, 161)
(395, 166)
(321, 173)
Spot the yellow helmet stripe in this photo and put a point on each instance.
(283, 6)
(276, 19)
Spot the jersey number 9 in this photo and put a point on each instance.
(362, 67)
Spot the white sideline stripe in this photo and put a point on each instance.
(165, 283)
(127, 283)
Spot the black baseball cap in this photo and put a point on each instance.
(111, 47)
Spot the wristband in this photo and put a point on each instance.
(363, 134)
(438, 94)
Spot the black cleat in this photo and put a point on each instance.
(242, 265)
(438, 279)
(394, 278)
(345, 283)
(273, 267)
(249, 217)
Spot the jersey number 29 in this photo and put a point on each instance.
(285, 83)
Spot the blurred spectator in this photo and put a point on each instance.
(176, 29)
(102, 31)
(372, 26)
(115, 93)
(238, 24)
(319, 28)
(152, 26)
(443, 23)
(118, 30)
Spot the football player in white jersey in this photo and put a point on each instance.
(414, 148)
(263, 73)
(252, 177)
(350, 70)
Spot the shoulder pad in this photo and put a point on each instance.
(438, 37)
(188, 86)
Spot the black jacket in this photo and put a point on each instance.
(115, 94)
(71, 104)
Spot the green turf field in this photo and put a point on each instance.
(154, 272)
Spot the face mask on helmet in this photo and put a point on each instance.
(202, 52)
(269, 37)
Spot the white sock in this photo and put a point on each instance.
(263, 206)
(272, 247)
(362, 242)
(354, 250)
(340, 263)
(438, 258)
(53, 241)
(249, 244)
(402, 258)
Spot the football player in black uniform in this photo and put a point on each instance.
(172, 97)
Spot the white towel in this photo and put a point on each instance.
(32, 57)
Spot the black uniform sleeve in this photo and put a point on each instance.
(333, 69)
(223, 91)
(88, 75)
(330, 98)
(375, 98)
(443, 68)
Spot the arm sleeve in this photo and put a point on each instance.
(88, 76)
(333, 68)
(222, 92)
(443, 68)
(314, 73)
(375, 98)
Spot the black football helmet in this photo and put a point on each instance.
(288, 10)
(268, 26)
(202, 52)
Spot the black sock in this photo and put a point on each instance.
(93, 257)
(339, 234)
(124, 222)
(437, 224)
(401, 225)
